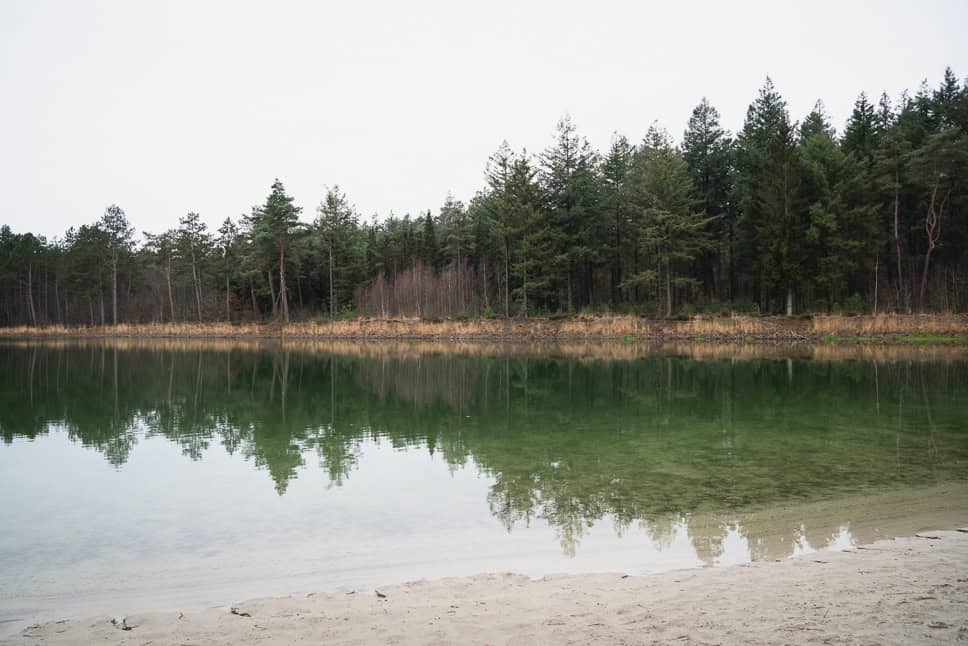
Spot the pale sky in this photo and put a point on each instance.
(166, 107)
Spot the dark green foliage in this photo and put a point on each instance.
(709, 152)
(671, 234)
(617, 209)
(577, 234)
(340, 250)
(860, 133)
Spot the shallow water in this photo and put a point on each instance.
(166, 477)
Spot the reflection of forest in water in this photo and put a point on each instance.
(566, 440)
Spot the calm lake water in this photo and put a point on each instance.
(176, 476)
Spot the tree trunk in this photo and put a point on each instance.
(460, 300)
(487, 305)
(786, 220)
(272, 292)
(731, 269)
(171, 297)
(255, 302)
(924, 276)
(635, 269)
(897, 239)
(299, 291)
(416, 287)
(932, 227)
(282, 282)
(57, 306)
(877, 259)
(332, 287)
(668, 290)
(507, 278)
(570, 307)
(383, 301)
(659, 300)
(114, 288)
(228, 310)
(617, 270)
(524, 292)
(195, 286)
(30, 296)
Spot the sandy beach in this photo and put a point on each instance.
(901, 591)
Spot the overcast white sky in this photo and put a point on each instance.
(169, 106)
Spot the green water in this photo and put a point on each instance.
(164, 475)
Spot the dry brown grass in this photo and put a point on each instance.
(738, 326)
(576, 328)
(891, 325)
(154, 330)
(362, 328)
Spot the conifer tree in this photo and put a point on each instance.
(536, 244)
(860, 132)
(457, 236)
(672, 235)
(841, 228)
(616, 206)
(228, 237)
(277, 222)
(766, 121)
(429, 252)
(162, 248)
(569, 182)
(939, 167)
(194, 240)
(120, 237)
(707, 149)
(781, 226)
(337, 223)
(497, 203)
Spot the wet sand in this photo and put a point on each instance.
(899, 591)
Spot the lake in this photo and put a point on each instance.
(169, 475)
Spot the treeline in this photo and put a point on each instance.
(783, 217)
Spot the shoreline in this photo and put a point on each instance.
(903, 590)
(928, 329)
(766, 533)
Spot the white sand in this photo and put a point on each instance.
(903, 591)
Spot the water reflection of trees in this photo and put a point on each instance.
(566, 440)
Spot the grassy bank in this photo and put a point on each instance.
(915, 328)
